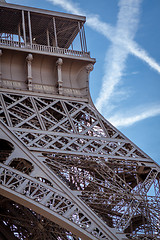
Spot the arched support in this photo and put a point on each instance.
(57, 202)
(48, 202)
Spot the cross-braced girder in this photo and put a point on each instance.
(100, 166)
(67, 126)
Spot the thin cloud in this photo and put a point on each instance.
(120, 120)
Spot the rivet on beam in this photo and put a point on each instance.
(59, 70)
(29, 59)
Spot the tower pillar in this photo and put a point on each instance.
(65, 171)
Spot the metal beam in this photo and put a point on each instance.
(55, 31)
(23, 26)
(30, 28)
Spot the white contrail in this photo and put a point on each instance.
(108, 31)
(143, 55)
(115, 64)
(120, 120)
(116, 57)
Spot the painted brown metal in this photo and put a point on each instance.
(64, 168)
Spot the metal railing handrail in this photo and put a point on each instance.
(44, 48)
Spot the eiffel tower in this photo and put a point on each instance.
(66, 173)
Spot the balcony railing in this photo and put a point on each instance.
(43, 48)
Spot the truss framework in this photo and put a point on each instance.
(42, 191)
(27, 224)
(103, 169)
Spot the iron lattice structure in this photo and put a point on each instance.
(66, 172)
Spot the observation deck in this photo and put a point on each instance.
(42, 31)
(46, 51)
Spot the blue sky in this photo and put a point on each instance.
(123, 36)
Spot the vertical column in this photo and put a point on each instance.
(48, 41)
(24, 29)
(19, 34)
(55, 31)
(0, 68)
(59, 70)
(80, 36)
(72, 46)
(29, 59)
(30, 28)
(84, 39)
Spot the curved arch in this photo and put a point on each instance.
(22, 165)
(24, 223)
(6, 148)
(48, 202)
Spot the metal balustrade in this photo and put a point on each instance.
(43, 48)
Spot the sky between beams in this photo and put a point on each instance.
(125, 85)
